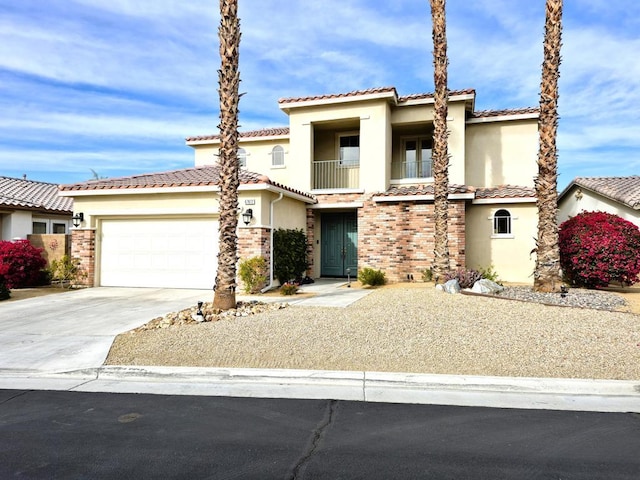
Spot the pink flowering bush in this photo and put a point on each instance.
(598, 248)
(21, 264)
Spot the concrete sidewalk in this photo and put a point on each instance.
(494, 392)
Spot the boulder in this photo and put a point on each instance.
(486, 286)
(452, 286)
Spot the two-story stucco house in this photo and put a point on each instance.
(352, 170)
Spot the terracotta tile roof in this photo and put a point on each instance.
(625, 190)
(370, 91)
(418, 96)
(412, 190)
(355, 93)
(506, 191)
(208, 175)
(33, 195)
(263, 132)
(506, 112)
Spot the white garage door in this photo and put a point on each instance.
(173, 253)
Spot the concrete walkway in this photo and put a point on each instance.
(59, 342)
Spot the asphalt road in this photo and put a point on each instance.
(55, 435)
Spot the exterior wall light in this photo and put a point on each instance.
(247, 215)
(77, 219)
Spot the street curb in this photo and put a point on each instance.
(480, 391)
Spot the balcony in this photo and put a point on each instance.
(412, 169)
(335, 174)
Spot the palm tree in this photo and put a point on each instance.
(547, 277)
(440, 136)
(229, 81)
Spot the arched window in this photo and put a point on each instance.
(242, 157)
(277, 156)
(502, 222)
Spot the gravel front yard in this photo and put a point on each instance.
(409, 328)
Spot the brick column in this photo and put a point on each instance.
(83, 247)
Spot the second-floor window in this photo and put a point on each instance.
(277, 156)
(349, 150)
(242, 157)
(416, 161)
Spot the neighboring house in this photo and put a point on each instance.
(617, 195)
(29, 207)
(353, 171)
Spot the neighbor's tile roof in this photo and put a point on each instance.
(187, 177)
(33, 195)
(505, 191)
(452, 93)
(263, 132)
(625, 190)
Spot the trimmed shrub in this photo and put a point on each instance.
(21, 264)
(466, 277)
(67, 271)
(254, 274)
(427, 275)
(289, 254)
(289, 288)
(369, 276)
(597, 248)
(490, 274)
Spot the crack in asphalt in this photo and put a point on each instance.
(317, 436)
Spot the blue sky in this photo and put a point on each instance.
(115, 86)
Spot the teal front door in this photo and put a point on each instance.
(339, 233)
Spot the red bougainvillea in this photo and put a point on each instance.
(21, 264)
(598, 248)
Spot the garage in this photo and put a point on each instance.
(160, 252)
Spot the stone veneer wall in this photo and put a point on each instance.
(83, 247)
(253, 242)
(398, 237)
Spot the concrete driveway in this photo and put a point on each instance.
(75, 330)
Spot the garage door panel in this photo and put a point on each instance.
(174, 253)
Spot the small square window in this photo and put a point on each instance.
(59, 228)
(39, 227)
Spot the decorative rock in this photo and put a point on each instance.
(452, 286)
(486, 286)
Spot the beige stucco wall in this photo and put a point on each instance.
(375, 140)
(258, 158)
(502, 153)
(288, 213)
(570, 206)
(510, 257)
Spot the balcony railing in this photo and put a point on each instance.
(329, 174)
(401, 170)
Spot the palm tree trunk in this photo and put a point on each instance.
(229, 81)
(547, 277)
(440, 138)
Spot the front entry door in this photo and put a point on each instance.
(339, 235)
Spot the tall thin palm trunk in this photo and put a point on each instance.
(547, 276)
(229, 81)
(440, 138)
